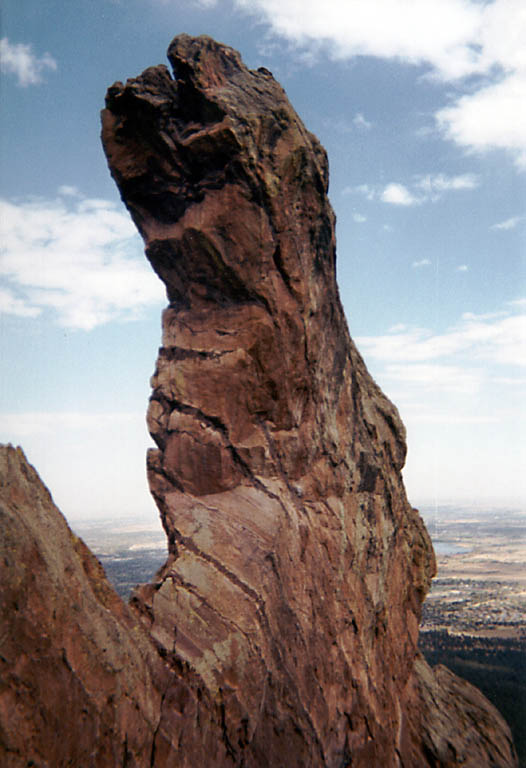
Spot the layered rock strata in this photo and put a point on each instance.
(297, 567)
(81, 682)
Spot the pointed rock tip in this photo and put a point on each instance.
(203, 58)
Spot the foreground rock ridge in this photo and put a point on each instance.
(282, 630)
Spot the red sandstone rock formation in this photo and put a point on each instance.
(297, 566)
(282, 630)
(81, 683)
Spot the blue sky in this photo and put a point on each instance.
(422, 109)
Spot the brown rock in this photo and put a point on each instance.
(297, 566)
(81, 683)
(448, 722)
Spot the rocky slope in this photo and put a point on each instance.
(81, 683)
(282, 630)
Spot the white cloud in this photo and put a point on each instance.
(496, 339)
(510, 223)
(345, 126)
(493, 117)
(460, 393)
(397, 194)
(453, 40)
(360, 121)
(422, 413)
(11, 305)
(436, 33)
(421, 263)
(362, 189)
(428, 188)
(359, 218)
(462, 268)
(80, 258)
(67, 190)
(433, 186)
(512, 382)
(18, 59)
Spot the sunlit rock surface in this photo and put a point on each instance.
(81, 683)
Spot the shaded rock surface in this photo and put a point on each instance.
(282, 630)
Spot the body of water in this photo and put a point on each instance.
(449, 548)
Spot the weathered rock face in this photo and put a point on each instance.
(448, 722)
(297, 567)
(67, 635)
(81, 683)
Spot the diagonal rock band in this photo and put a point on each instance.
(282, 631)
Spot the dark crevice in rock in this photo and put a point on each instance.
(178, 354)
(214, 423)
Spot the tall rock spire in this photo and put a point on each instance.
(297, 566)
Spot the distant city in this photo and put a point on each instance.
(480, 588)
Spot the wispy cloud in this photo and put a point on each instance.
(431, 32)
(510, 223)
(451, 378)
(477, 45)
(421, 263)
(66, 190)
(398, 194)
(360, 121)
(359, 218)
(345, 126)
(80, 258)
(20, 425)
(462, 268)
(433, 186)
(420, 190)
(495, 338)
(366, 190)
(19, 60)
(10, 305)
